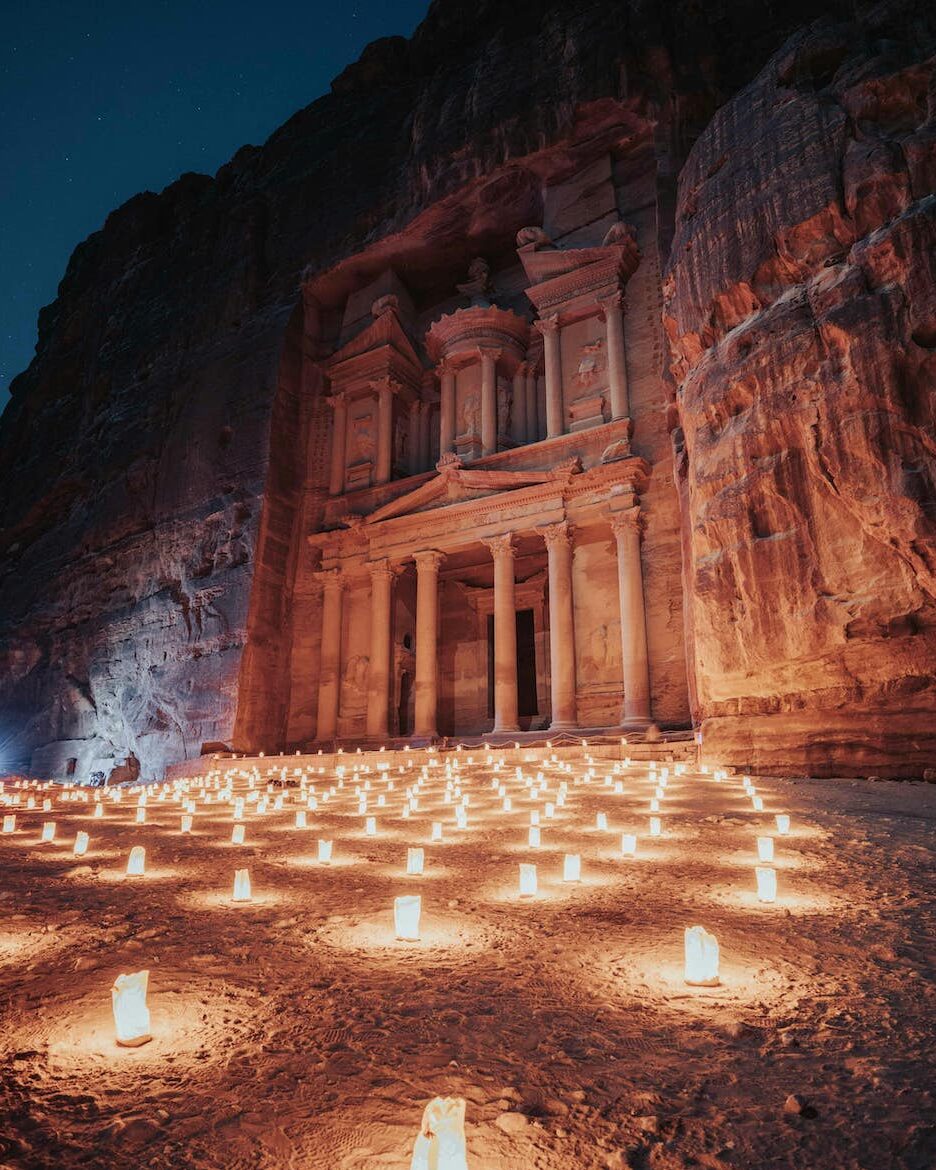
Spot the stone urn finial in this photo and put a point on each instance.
(389, 302)
(477, 287)
(533, 238)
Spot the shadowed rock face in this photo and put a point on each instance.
(800, 305)
(153, 458)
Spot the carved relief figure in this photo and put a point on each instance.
(363, 442)
(471, 415)
(354, 685)
(503, 409)
(400, 440)
(478, 285)
(591, 364)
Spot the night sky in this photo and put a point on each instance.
(100, 99)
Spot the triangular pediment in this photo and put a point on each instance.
(459, 485)
(384, 331)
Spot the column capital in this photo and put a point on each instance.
(382, 569)
(547, 325)
(628, 521)
(444, 366)
(522, 369)
(428, 560)
(490, 352)
(386, 385)
(330, 578)
(500, 546)
(614, 300)
(556, 534)
(336, 399)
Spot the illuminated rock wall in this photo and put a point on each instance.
(801, 305)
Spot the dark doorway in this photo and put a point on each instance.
(526, 664)
(406, 690)
(71, 766)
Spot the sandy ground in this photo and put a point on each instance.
(296, 1032)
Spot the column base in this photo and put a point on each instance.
(508, 730)
(563, 725)
(638, 723)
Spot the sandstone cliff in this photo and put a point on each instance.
(150, 478)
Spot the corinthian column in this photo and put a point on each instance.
(378, 682)
(549, 327)
(532, 407)
(384, 430)
(558, 539)
(489, 400)
(612, 309)
(446, 407)
(626, 526)
(336, 476)
(330, 662)
(427, 642)
(505, 634)
(519, 404)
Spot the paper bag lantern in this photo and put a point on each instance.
(765, 849)
(81, 844)
(701, 957)
(766, 883)
(533, 840)
(436, 831)
(601, 820)
(757, 803)
(441, 1141)
(141, 815)
(300, 818)
(136, 863)
(237, 834)
(628, 844)
(48, 831)
(783, 824)
(572, 867)
(98, 811)
(241, 886)
(406, 911)
(414, 861)
(508, 804)
(527, 880)
(370, 826)
(550, 811)
(325, 852)
(131, 1015)
(238, 808)
(9, 823)
(534, 817)
(654, 804)
(656, 827)
(186, 825)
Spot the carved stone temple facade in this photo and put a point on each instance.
(477, 564)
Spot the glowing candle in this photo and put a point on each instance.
(406, 911)
(414, 861)
(370, 826)
(141, 815)
(136, 862)
(658, 792)
(436, 831)
(81, 844)
(9, 823)
(572, 867)
(765, 849)
(701, 957)
(766, 883)
(98, 811)
(47, 805)
(757, 803)
(238, 808)
(186, 825)
(783, 824)
(440, 1144)
(550, 811)
(618, 788)
(237, 835)
(601, 821)
(508, 804)
(325, 852)
(527, 880)
(656, 827)
(48, 831)
(628, 844)
(131, 1015)
(533, 840)
(241, 886)
(534, 817)
(461, 818)
(300, 818)
(654, 804)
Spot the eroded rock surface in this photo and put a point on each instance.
(801, 308)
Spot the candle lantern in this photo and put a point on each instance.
(300, 818)
(237, 835)
(414, 861)
(131, 1015)
(527, 880)
(48, 831)
(765, 849)
(186, 826)
(141, 815)
(766, 883)
(81, 844)
(618, 787)
(656, 827)
(406, 911)
(9, 823)
(325, 852)
(98, 811)
(572, 867)
(238, 808)
(534, 817)
(47, 805)
(533, 839)
(628, 844)
(783, 824)
(654, 804)
(241, 886)
(436, 831)
(550, 810)
(441, 1141)
(757, 803)
(136, 862)
(508, 804)
(701, 957)
(601, 821)
(370, 826)
(461, 817)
